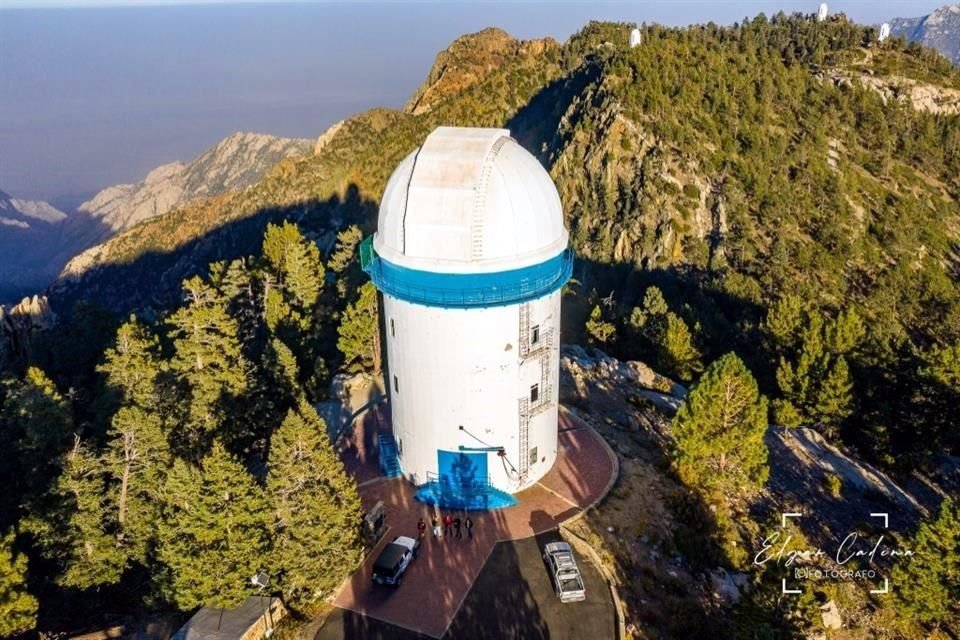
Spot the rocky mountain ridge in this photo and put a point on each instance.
(632, 195)
(939, 30)
(470, 59)
(15, 212)
(235, 162)
(38, 240)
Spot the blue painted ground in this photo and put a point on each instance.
(469, 496)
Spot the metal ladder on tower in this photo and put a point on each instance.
(546, 389)
(480, 200)
(524, 337)
(524, 413)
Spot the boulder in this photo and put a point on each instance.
(724, 585)
(830, 615)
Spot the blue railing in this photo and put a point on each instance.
(471, 494)
(456, 290)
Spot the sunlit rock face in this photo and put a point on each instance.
(940, 30)
(235, 162)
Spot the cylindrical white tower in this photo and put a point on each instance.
(470, 254)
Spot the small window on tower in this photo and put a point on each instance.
(534, 392)
(535, 334)
(533, 456)
(396, 385)
(393, 331)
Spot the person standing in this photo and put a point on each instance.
(421, 528)
(436, 527)
(456, 527)
(468, 523)
(447, 524)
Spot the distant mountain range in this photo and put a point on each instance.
(29, 243)
(940, 30)
(233, 163)
(37, 239)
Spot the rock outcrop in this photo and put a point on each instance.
(468, 60)
(830, 616)
(814, 457)
(18, 324)
(921, 96)
(634, 399)
(326, 137)
(580, 367)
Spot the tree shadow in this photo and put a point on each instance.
(536, 126)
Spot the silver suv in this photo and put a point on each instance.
(567, 581)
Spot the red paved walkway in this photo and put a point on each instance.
(437, 582)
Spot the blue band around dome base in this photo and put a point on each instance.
(466, 290)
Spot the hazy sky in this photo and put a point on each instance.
(91, 97)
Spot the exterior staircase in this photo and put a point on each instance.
(387, 450)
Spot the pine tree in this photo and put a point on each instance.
(91, 556)
(342, 261)
(296, 273)
(845, 332)
(316, 506)
(214, 533)
(359, 332)
(927, 585)
(677, 352)
(598, 329)
(941, 364)
(137, 459)
(18, 609)
(281, 366)
(834, 397)
(813, 373)
(208, 365)
(785, 414)
(36, 420)
(132, 364)
(654, 304)
(719, 429)
(239, 284)
(785, 321)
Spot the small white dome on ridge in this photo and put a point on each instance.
(470, 201)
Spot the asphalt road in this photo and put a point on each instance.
(512, 598)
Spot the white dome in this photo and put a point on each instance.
(470, 201)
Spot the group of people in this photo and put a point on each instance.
(450, 526)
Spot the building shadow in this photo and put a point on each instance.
(502, 602)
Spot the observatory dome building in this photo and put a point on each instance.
(470, 254)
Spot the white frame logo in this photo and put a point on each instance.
(786, 515)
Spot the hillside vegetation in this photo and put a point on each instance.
(756, 189)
